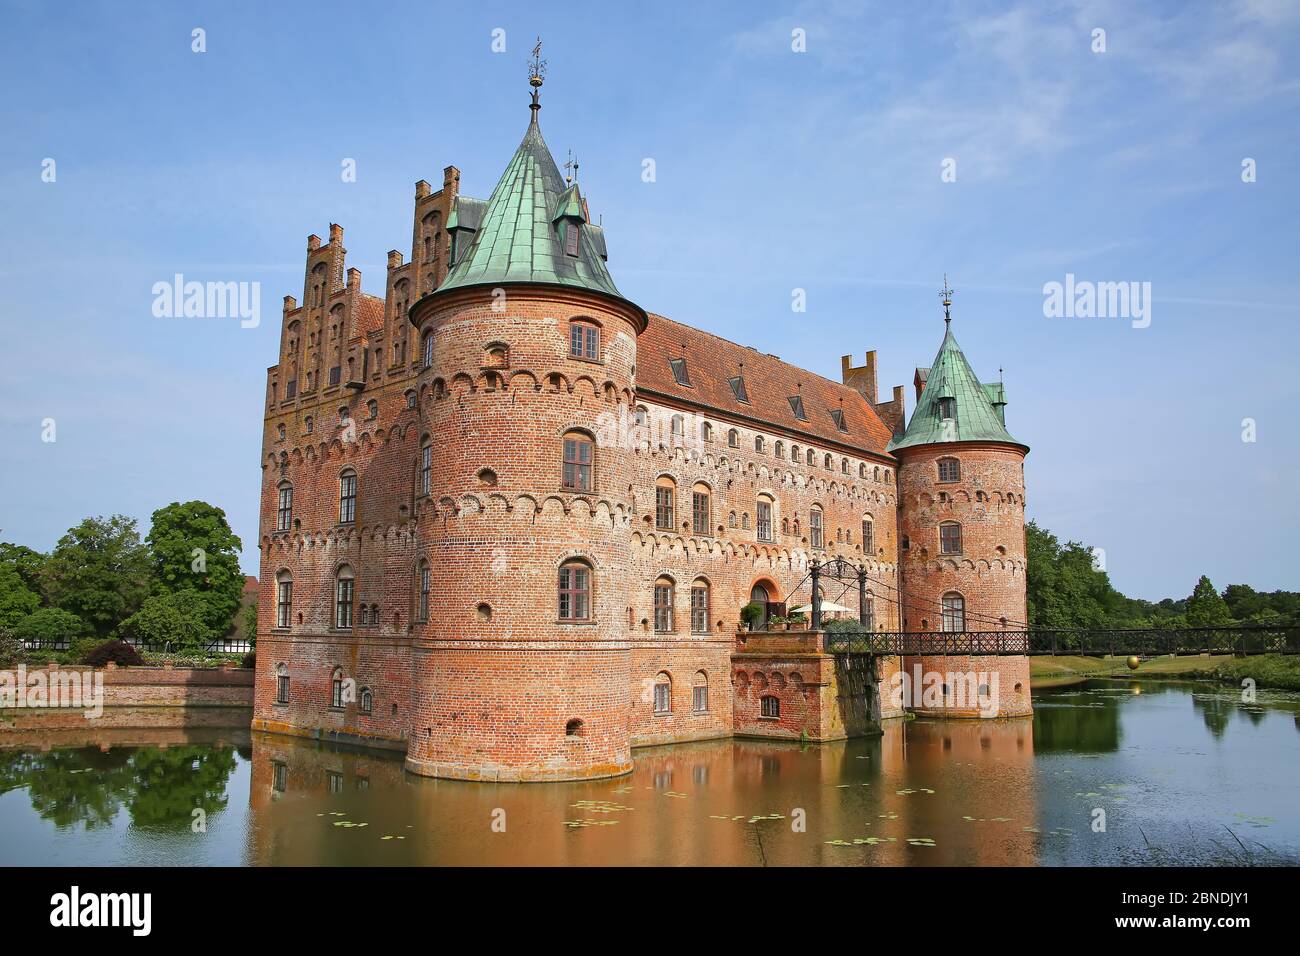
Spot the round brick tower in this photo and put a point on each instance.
(521, 662)
(962, 539)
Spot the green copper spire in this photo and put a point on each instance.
(951, 387)
(524, 232)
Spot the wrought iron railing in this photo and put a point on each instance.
(1118, 642)
(219, 646)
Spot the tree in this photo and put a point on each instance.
(25, 561)
(192, 548)
(178, 620)
(17, 600)
(250, 622)
(1063, 587)
(98, 571)
(51, 624)
(1205, 608)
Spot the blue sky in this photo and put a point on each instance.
(776, 170)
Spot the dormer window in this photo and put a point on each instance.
(680, 374)
(738, 389)
(796, 406)
(947, 408)
(837, 415)
(571, 238)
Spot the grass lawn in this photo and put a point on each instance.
(1268, 670)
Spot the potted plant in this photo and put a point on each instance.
(798, 622)
(752, 614)
(778, 623)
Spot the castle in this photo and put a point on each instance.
(509, 519)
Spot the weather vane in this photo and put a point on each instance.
(536, 72)
(947, 298)
(571, 168)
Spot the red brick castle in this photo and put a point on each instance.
(509, 519)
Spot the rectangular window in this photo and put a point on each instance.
(570, 239)
(663, 698)
(950, 538)
(279, 775)
(577, 464)
(336, 693)
(815, 528)
(949, 469)
(664, 608)
(575, 593)
(291, 388)
(426, 352)
(699, 610)
(700, 698)
(680, 373)
(423, 609)
(284, 604)
(954, 613)
(335, 374)
(284, 513)
(868, 537)
(282, 689)
(343, 607)
(663, 508)
(764, 521)
(347, 499)
(769, 707)
(700, 512)
(426, 469)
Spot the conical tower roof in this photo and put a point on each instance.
(520, 237)
(975, 417)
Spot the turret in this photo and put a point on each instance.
(962, 519)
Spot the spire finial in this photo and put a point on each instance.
(571, 169)
(536, 71)
(947, 300)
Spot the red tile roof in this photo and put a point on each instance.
(370, 314)
(712, 361)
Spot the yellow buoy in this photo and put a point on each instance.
(1133, 663)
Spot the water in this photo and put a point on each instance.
(1185, 774)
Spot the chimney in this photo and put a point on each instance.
(862, 378)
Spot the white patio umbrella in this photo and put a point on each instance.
(826, 606)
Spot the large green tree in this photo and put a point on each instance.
(17, 600)
(176, 620)
(192, 548)
(98, 571)
(1064, 585)
(1206, 608)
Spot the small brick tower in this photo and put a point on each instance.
(962, 530)
(506, 686)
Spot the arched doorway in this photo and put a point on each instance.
(763, 592)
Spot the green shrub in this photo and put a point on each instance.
(177, 619)
(753, 612)
(11, 651)
(51, 624)
(249, 660)
(842, 624)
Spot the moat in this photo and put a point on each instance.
(1186, 773)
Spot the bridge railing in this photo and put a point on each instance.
(1118, 642)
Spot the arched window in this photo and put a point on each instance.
(366, 700)
(700, 693)
(678, 427)
(663, 693)
(584, 340)
(426, 467)
(733, 438)
(336, 688)
(640, 415)
(308, 425)
(578, 455)
(410, 398)
(769, 707)
(828, 463)
(284, 511)
(372, 408)
(950, 538)
(949, 469)
(868, 535)
(664, 622)
(794, 453)
(779, 449)
(424, 580)
(862, 471)
(760, 445)
(347, 497)
(279, 432)
(574, 589)
(665, 503)
(815, 527)
(344, 591)
(706, 431)
(812, 457)
(281, 684)
(763, 517)
(700, 513)
(700, 607)
(954, 612)
(283, 599)
(426, 351)
(844, 466)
